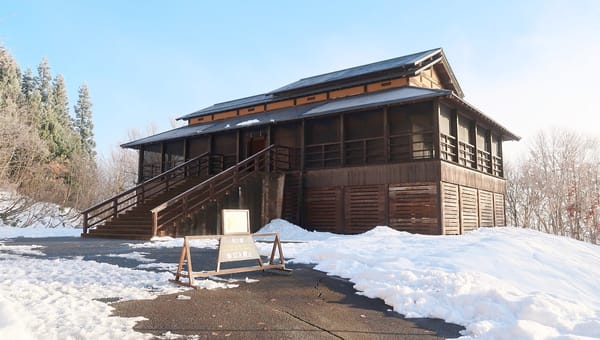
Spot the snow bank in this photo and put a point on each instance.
(500, 283)
(38, 215)
(291, 232)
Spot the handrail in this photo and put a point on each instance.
(143, 191)
(271, 158)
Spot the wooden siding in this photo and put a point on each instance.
(414, 208)
(499, 219)
(364, 207)
(313, 98)
(280, 104)
(223, 115)
(198, 120)
(387, 84)
(486, 209)
(450, 209)
(420, 171)
(427, 78)
(323, 209)
(252, 109)
(468, 209)
(351, 91)
(453, 173)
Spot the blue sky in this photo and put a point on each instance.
(525, 63)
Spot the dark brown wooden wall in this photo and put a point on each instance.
(364, 207)
(414, 208)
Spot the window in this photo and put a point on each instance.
(322, 142)
(151, 165)
(411, 131)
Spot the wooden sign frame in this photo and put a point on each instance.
(186, 258)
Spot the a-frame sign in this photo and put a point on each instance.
(236, 244)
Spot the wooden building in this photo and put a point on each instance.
(390, 143)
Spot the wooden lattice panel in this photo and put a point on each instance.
(468, 209)
(486, 209)
(451, 209)
(499, 210)
(323, 208)
(414, 208)
(364, 207)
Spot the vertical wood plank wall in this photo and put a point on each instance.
(486, 209)
(499, 212)
(468, 209)
(450, 209)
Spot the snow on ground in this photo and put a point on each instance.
(67, 298)
(36, 232)
(170, 242)
(500, 283)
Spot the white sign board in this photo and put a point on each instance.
(237, 248)
(236, 221)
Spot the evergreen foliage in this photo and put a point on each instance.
(83, 122)
(44, 152)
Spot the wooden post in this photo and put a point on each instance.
(386, 135)
(85, 222)
(154, 223)
(115, 208)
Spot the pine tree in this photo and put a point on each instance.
(83, 122)
(43, 80)
(31, 99)
(62, 137)
(10, 83)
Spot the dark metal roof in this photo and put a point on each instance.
(363, 101)
(390, 64)
(386, 69)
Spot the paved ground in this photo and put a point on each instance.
(307, 304)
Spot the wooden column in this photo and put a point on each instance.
(437, 148)
(436, 129)
(386, 136)
(342, 143)
(141, 165)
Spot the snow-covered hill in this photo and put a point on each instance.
(500, 283)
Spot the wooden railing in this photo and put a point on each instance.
(484, 161)
(272, 158)
(409, 146)
(497, 169)
(448, 147)
(322, 155)
(466, 154)
(204, 166)
(364, 151)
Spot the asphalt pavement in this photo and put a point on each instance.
(303, 304)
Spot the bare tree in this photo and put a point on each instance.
(556, 188)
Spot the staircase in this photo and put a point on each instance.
(136, 223)
(151, 207)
